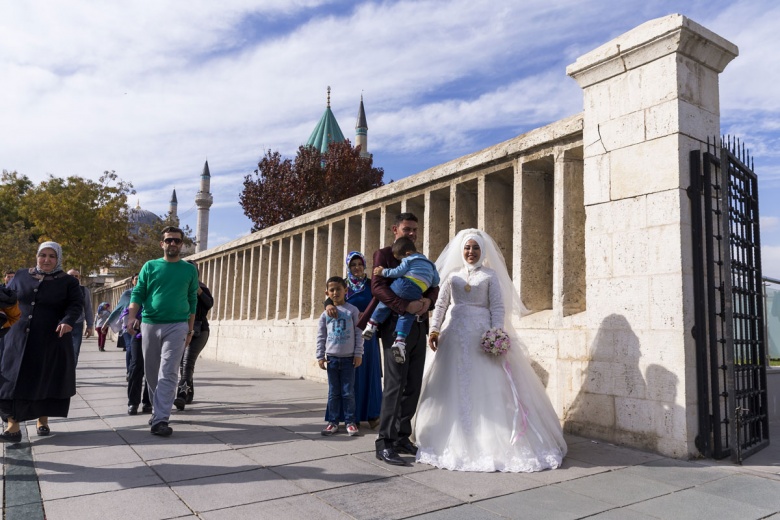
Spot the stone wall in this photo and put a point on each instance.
(593, 220)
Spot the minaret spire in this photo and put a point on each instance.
(173, 208)
(203, 200)
(361, 130)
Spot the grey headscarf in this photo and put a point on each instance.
(57, 250)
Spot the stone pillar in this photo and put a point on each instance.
(650, 97)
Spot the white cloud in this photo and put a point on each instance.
(769, 223)
(152, 90)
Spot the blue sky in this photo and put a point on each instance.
(152, 89)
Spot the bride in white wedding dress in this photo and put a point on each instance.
(479, 411)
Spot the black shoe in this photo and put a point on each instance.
(179, 403)
(389, 456)
(147, 408)
(43, 430)
(132, 409)
(162, 429)
(14, 437)
(405, 446)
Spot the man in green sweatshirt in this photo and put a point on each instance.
(167, 289)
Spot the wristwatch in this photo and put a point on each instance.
(190, 332)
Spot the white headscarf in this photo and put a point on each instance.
(451, 260)
(473, 234)
(57, 250)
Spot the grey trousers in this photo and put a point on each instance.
(163, 346)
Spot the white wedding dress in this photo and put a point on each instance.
(477, 411)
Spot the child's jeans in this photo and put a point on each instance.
(341, 389)
(408, 290)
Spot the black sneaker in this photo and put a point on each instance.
(179, 403)
(147, 408)
(162, 429)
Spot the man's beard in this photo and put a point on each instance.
(169, 255)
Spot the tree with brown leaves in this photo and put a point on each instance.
(281, 189)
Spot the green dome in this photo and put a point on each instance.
(327, 131)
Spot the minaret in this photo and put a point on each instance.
(203, 200)
(361, 130)
(173, 208)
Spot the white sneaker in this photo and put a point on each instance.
(369, 332)
(352, 429)
(399, 351)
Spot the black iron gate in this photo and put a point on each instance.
(729, 328)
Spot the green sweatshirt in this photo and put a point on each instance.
(168, 291)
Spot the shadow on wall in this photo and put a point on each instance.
(615, 402)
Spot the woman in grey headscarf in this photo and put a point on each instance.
(38, 367)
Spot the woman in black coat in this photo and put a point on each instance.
(38, 367)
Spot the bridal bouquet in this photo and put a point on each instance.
(495, 341)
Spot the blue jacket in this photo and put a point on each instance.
(416, 267)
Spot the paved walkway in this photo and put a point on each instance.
(250, 448)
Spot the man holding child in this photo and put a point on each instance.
(402, 381)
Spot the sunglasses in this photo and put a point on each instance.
(172, 240)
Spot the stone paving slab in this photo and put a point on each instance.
(394, 497)
(70, 480)
(618, 488)
(696, 505)
(473, 487)
(289, 453)
(464, 512)
(94, 457)
(234, 489)
(250, 447)
(301, 507)
(755, 491)
(680, 473)
(147, 503)
(336, 472)
(545, 503)
(189, 467)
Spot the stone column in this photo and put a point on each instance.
(650, 96)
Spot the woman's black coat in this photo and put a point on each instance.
(35, 362)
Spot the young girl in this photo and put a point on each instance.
(101, 316)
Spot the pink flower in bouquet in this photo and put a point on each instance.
(495, 341)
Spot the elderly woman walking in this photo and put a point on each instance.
(38, 365)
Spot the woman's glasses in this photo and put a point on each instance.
(172, 240)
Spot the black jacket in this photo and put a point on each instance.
(36, 363)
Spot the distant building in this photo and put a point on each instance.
(138, 217)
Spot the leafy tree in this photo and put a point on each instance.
(12, 188)
(144, 245)
(17, 248)
(281, 189)
(17, 241)
(87, 218)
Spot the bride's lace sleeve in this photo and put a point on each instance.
(442, 303)
(496, 301)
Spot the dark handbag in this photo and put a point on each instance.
(197, 327)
